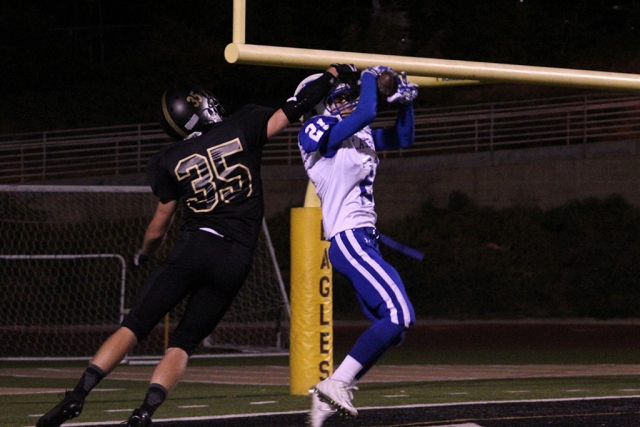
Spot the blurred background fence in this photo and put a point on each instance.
(120, 150)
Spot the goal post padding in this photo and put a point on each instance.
(66, 285)
(311, 355)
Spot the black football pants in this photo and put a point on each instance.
(208, 270)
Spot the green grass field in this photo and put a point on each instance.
(114, 399)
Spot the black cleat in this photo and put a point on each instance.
(70, 407)
(139, 418)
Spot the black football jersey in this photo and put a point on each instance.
(216, 176)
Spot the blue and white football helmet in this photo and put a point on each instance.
(341, 99)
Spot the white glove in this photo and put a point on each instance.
(406, 92)
(376, 70)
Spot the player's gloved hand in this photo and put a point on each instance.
(138, 260)
(376, 70)
(406, 92)
(345, 71)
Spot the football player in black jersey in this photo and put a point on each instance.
(213, 172)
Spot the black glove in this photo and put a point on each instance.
(138, 260)
(345, 71)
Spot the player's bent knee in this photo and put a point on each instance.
(138, 328)
(400, 338)
(187, 345)
(400, 335)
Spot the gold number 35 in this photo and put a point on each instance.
(195, 99)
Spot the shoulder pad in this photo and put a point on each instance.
(314, 132)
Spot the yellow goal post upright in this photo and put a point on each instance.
(307, 365)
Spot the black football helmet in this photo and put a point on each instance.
(189, 109)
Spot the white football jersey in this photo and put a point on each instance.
(344, 182)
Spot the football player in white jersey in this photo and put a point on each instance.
(338, 148)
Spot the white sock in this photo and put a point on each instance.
(347, 370)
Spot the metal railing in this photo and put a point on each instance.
(120, 150)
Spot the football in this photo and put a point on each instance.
(387, 84)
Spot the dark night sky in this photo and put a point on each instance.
(82, 63)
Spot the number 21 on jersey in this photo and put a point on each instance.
(313, 132)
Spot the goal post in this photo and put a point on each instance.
(422, 71)
(66, 285)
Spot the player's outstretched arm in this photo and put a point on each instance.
(156, 231)
(362, 116)
(307, 98)
(402, 134)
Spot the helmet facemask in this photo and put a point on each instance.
(212, 111)
(341, 101)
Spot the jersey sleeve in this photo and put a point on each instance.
(314, 134)
(401, 135)
(253, 120)
(160, 181)
(363, 115)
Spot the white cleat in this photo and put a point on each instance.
(336, 394)
(320, 411)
